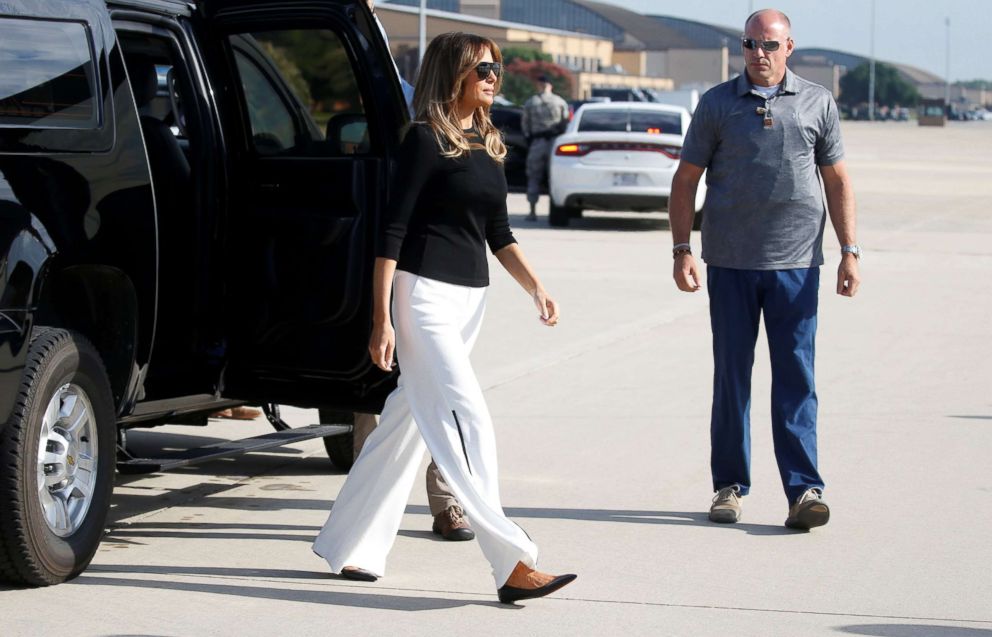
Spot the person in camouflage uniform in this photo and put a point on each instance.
(544, 118)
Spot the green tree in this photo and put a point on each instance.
(890, 88)
(976, 84)
(520, 80)
(525, 53)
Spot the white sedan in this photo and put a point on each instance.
(617, 156)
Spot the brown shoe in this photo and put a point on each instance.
(238, 413)
(452, 525)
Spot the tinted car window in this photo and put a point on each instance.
(272, 125)
(635, 121)
(48, 78)
(655, 122)
(300, 85)
(607, 121)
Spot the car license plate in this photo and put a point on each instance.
(624, 179)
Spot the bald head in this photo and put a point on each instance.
(764, 19)
(767, 45)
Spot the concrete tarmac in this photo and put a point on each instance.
(603, 430)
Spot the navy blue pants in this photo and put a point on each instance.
(788, 300)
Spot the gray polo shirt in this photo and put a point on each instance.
(764, 206)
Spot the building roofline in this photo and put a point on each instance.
(489, 22)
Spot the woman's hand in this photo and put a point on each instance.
(381, 345)
(383, 339)
(546, 306)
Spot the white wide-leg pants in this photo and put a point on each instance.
(438, 401)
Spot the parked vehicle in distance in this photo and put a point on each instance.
(507, 120)
(621, 94)
(618, 156)
(189, 195)
(686, 98)
(575, 105)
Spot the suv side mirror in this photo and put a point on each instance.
(349, 134)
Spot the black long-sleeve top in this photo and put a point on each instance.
(443, 211)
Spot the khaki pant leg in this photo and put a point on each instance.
(439, 495)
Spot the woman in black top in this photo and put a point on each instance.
(448, 202)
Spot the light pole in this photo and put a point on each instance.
(423, 32)
(947, 68)
(871, 68)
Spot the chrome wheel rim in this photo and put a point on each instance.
(67, 460)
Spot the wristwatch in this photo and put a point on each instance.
(851, 249)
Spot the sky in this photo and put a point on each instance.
(906, 31)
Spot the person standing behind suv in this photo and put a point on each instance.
(544, 118)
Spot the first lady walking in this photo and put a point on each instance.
(448, 202)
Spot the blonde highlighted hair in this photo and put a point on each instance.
(442, 77)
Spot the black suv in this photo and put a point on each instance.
(188, 200)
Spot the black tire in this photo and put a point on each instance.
(559, 216)
(340, 448)
(60, 364)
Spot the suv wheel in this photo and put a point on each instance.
(340, 448)
(56, 462)
(559, 216)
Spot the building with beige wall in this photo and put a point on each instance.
(576, 51)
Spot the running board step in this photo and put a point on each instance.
(230, 448)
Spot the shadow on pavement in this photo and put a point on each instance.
(598, 222)
(150, 569)
(332, 598)
(246, 530)
(971, 417)
(914, 630)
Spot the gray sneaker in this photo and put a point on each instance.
(726, 507)
(809, 511)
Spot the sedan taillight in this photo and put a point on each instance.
(580, 150)
(572, 150)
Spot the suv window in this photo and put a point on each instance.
(301, 92)
(48, 78)
(635, 121)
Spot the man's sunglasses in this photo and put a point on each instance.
(768, 45)
(485, 68)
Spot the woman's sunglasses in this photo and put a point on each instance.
(483, 69)
(768, 45)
